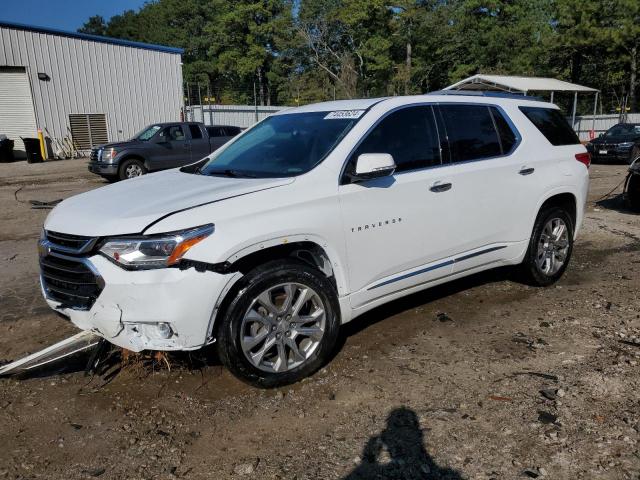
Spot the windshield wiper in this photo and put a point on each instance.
(230, 173)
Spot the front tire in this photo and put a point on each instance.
(131, 168)
(550, 247)
(281, 326)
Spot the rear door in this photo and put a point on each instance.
(490, 184)
(199, 143)
(170, 148)
(217, 137)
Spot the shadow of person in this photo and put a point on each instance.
(403, 441)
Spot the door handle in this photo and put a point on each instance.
(526, 171)
(440, 187)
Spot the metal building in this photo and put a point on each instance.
(83, 90)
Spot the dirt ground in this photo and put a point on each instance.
(480, 379)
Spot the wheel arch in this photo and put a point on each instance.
(131, 156)
(564, 199)
(306, 248)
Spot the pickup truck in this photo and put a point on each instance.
(158, 147)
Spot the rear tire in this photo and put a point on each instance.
(131, 168)
(281, 326)
(550, 248)
(633, 193)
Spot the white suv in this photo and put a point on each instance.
(312, 217)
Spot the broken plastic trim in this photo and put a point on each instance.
(79, 342)
(223, 267)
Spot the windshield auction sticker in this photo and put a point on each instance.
(340, 114)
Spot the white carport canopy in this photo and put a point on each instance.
(525, 85)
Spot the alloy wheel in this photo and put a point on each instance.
(553, 247)
(133, 170)
(283, 327)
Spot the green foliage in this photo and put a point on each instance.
(300, 51)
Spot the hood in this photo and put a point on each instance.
(130, 206)
(121, 145)
(616, 139)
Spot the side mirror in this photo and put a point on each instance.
(374, 165)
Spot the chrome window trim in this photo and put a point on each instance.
(516, 132)
(507, 119)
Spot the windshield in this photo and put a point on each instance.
(147, 133)
(283, 145)
(623, 129)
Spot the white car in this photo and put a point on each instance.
(313, 217)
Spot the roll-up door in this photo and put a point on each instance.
(17, 116)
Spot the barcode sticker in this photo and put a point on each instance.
(341, 114)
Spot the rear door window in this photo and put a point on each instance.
(471, 132)
(195, 131)
(216, 132)
(409, 135)
(552, 125)
(507, 136)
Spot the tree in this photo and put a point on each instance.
(300, 51)
(94, 26)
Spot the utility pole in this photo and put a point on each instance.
(200, 101)
(188, 116)
(209, 103)
(255, 101)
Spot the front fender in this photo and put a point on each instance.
(130, 153)
(338, 267)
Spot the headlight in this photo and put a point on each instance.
(108, 154)
(625, 145)
(153, 251)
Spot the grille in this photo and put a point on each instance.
(70, 242)
(66, 276)
(69, 281)
(607, 146)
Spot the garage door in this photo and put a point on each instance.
(17, 117)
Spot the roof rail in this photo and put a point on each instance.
(485, 93)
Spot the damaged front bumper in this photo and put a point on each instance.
(161, 309)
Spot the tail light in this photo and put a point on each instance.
(584, 158)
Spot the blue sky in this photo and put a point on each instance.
(62, 14)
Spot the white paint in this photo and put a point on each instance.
(390, 228)
(17, 117)
(518, 84)
(374, 162)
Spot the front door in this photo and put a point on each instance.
(170, 148)
(396, 227)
